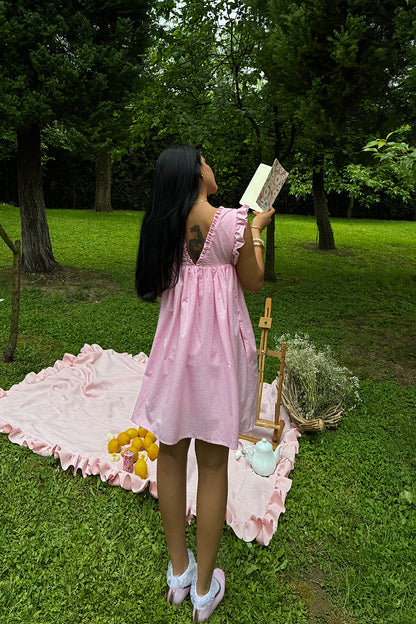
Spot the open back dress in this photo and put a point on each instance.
(201, 376)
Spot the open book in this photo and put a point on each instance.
(264, 186)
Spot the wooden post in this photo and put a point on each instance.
(14, 324)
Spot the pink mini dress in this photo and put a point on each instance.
(201, 376)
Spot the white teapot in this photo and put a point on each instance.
(262, 457)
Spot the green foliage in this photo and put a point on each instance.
(203, 88)
(396, 152)
(334, 72)
(387, 189)
(73, 62)
(394, 176)
(244, 80)
(368, 183)
(327, 61)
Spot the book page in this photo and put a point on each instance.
(264, 186)
(256, 184)
(272, 186)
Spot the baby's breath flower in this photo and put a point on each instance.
(319, 380)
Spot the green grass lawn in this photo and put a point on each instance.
(77, 550)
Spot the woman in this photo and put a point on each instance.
(201, 376)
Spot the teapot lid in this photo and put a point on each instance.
(264, 446)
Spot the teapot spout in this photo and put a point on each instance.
(277, 453)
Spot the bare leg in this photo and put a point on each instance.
(171, 487)
(211, 505)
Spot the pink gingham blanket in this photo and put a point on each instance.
(68, 410)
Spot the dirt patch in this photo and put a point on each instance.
(287, 280)
(320, 609)
(383, 353)
(73, 283)
(313, 248)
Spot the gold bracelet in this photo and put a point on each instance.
(258, 242)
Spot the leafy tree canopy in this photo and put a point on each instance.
(204, 88)
(77, 61)
(333, 60)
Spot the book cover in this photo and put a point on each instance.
(264, 186)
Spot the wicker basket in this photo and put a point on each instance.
(328, 419)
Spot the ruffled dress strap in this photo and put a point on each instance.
(240, 226)
(208, 240)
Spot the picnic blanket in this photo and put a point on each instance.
(68, 410)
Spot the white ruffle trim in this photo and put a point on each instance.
(202, 602)
(186, 578)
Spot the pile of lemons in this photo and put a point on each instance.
(142, 442)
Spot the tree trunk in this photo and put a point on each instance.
(350, 207)
(36, 243)
(14, 324)
(326, 235)
(102, 201)
(269, 274)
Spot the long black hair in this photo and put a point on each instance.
(174, 192)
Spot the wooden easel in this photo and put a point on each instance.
(276, 424)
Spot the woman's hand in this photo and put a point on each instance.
(262, 219)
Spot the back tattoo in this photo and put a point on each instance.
(196, 244)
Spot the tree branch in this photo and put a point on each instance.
(7, 240)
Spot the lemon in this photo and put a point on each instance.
(142, 432)
(123, 438)
(140, 468)
(149, 439)
(137, 443)
(153, 451)
(114, 446)
(132, 433)
(135, 452)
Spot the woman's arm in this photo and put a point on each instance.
(250, 264)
